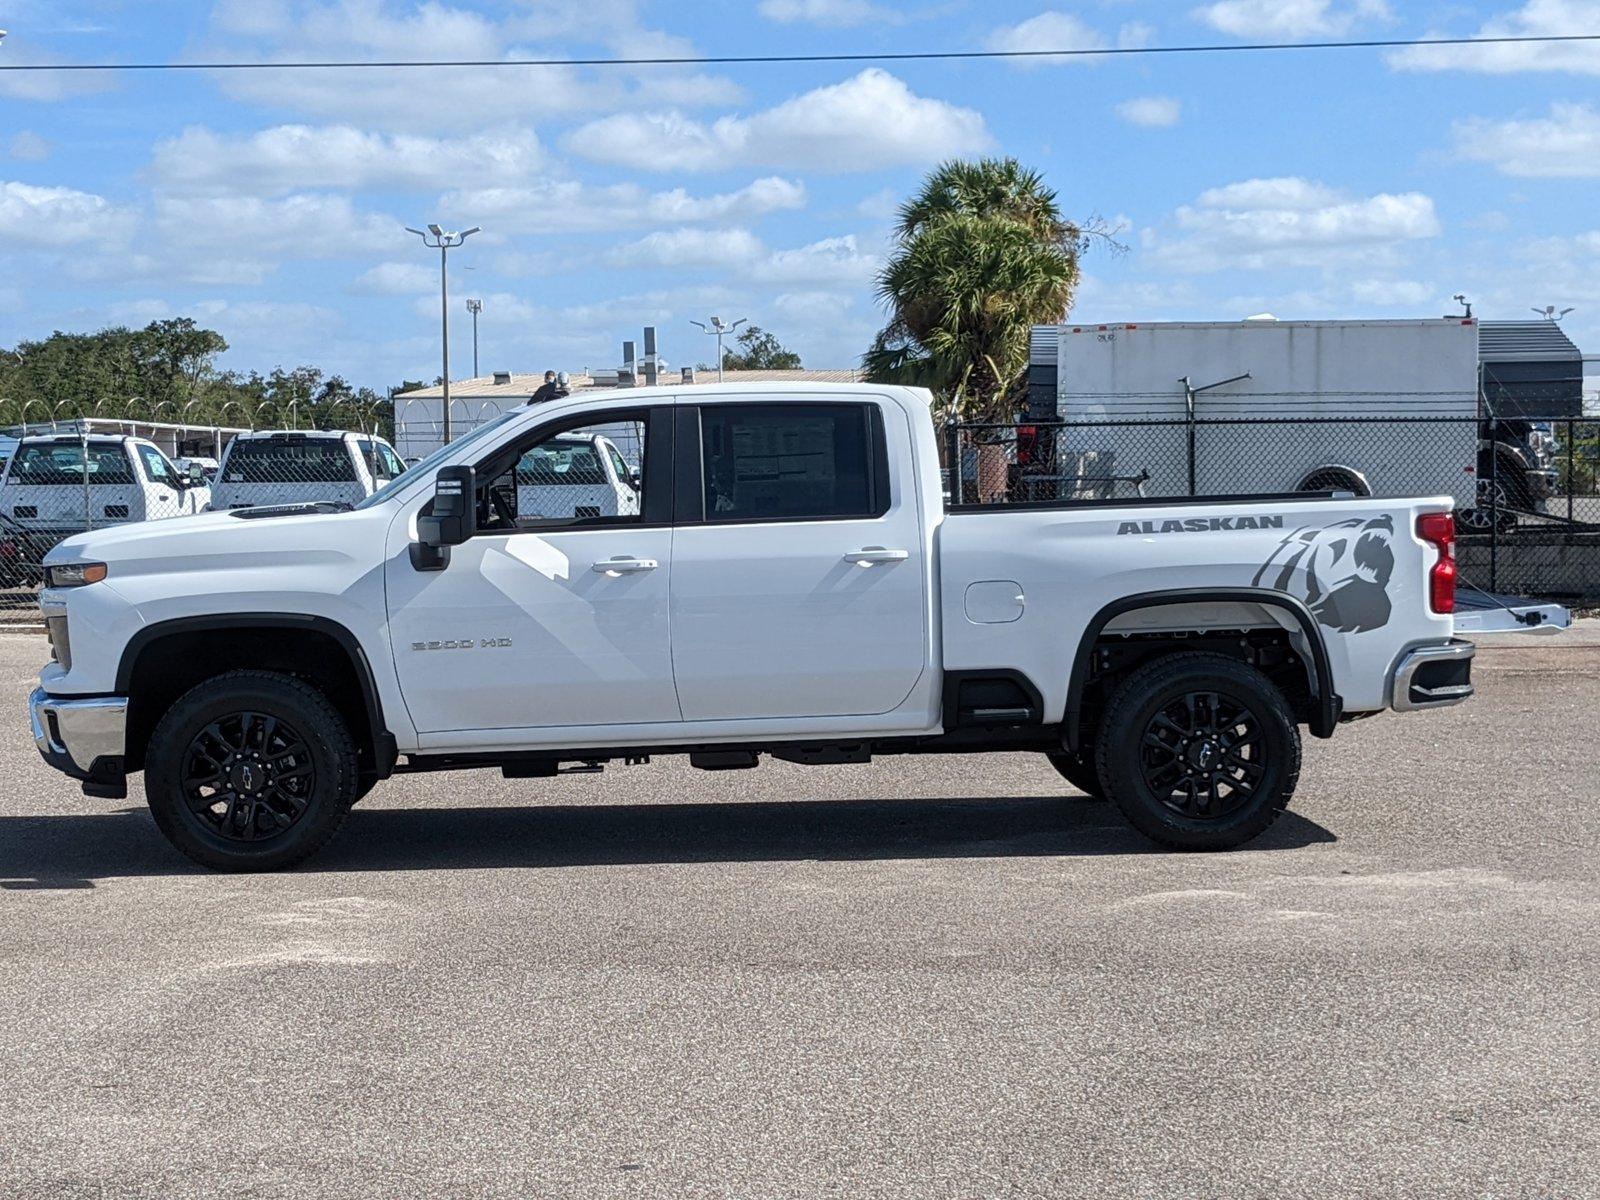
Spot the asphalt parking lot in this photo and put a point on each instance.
(921, 978)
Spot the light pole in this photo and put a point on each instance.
(474, 307)
(719, 330)
(444, 241)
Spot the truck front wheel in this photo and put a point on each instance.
(251, 771)
(1199, 751)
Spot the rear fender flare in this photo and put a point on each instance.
(1326, 704)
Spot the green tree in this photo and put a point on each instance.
(981, 254)
(167, 372)
(759, 351)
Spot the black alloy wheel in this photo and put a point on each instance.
(251, 771)
(1201, 754)
(1199, 750)
(249, 776)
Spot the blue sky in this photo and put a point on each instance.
(270, 205)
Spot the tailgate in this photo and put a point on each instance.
(1478, 611)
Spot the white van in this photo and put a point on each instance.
(583, 476)
(60, 484)
(271, 467)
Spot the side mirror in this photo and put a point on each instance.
(453, 520)
(197, 475)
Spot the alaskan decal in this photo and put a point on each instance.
(1200, 525)
(1341, 570)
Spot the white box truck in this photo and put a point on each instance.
(1377, 408)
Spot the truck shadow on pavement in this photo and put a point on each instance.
(72, 851)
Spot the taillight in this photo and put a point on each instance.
(1439, 529)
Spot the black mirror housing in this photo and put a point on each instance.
(453, 520)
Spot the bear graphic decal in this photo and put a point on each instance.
(1341, 571)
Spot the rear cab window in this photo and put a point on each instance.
(289, 460)
(61, 464)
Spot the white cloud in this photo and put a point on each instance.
(292, 157)
(1536, 18)
(568, 206)
(1287, 222)
(27, 146)
(1394, 293)
(835, 260)
(871, 121)
(49, 217)
(396, 279)
(690, 248)
(447, 98)
(1563, 145)
(45, 85)
(831, 261)
(1153, 112)
(1292, 18)
(1047, 31)
(837, 14)
(880, 206)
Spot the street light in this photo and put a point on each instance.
(474, 307)
(719, 330)
(444, 242)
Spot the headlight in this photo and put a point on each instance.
(71, 575)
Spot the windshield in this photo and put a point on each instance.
(433, 460)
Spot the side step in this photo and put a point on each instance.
(724, 760)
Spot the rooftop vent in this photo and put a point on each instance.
(502, 376)
(688, 375)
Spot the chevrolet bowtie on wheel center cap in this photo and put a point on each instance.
(1201, 754)
(249, 775)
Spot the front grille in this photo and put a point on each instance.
(60, 644)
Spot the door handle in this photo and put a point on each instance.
(869, 555)
(624, 565)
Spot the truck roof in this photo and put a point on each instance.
(287, 434)
(75, 439)
(697, 393)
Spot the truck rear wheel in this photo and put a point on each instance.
(251, 771)
(1079, 771)
(1199, 751)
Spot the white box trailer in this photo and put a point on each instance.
(1381, 408)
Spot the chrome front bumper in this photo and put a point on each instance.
(1433, 676)
(84, 738)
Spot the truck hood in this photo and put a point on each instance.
(209, 540)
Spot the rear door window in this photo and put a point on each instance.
(792, 462)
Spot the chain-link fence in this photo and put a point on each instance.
(1527, 491)
(73, 474)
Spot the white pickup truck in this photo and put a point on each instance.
(55, 485)
(281, 466)
(792, 583)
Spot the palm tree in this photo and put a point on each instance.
(982, 254)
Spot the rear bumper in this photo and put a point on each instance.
(1434, 676)
(85, 739)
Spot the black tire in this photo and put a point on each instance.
(251, 771)
(1228, 756)
(1079, 771)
